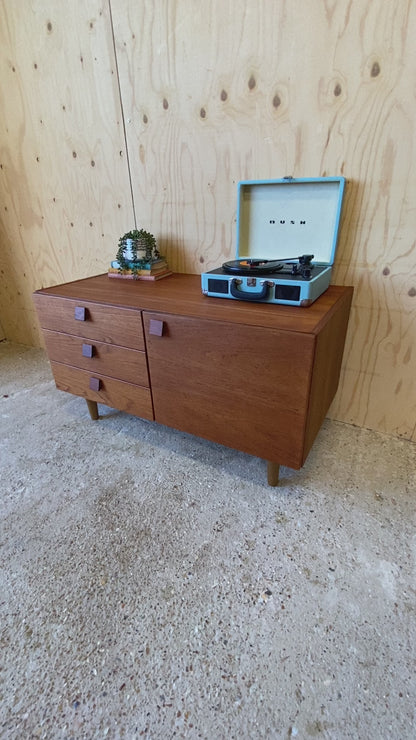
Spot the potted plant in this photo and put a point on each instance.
(135, 249)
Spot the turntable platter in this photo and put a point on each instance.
(252, 266)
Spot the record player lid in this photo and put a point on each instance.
(278, 218)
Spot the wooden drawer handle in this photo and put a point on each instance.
(156, 327)
(87, 350)
(80, 313)
(95, 384)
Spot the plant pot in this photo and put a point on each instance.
(128, 250)
(135, 245)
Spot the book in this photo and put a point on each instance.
(129, 275)
(155, 277)
(147, 268)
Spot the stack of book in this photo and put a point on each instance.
(153, 270)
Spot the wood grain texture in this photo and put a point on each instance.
(102, 323)
(180, 294)
(106, 359)
(228, 371)
(214, 92)
(241, 386)
(327, 366)
(133, 399)
(64, 185)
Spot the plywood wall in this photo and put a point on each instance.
(155, 110)
(64, 183)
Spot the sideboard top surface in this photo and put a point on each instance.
(181, 294)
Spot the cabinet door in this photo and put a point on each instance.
(244, 387)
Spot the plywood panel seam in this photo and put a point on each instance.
(122, 113)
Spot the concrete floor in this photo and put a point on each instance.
(153, 585)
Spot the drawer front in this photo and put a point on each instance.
(97, 357)
(121, 326)
(133, 399)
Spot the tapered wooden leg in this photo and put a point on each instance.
(93, 409)
(272, 473)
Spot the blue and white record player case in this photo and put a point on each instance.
(287, 232)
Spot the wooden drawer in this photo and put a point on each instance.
(128, 397)
(97, 357)
(121, 326)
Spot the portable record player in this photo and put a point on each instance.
(287, 233)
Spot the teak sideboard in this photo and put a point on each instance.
(259, 378)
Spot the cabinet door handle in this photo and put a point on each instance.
(156, 327)
(95, 384)
(87, 350)
(80, 313)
